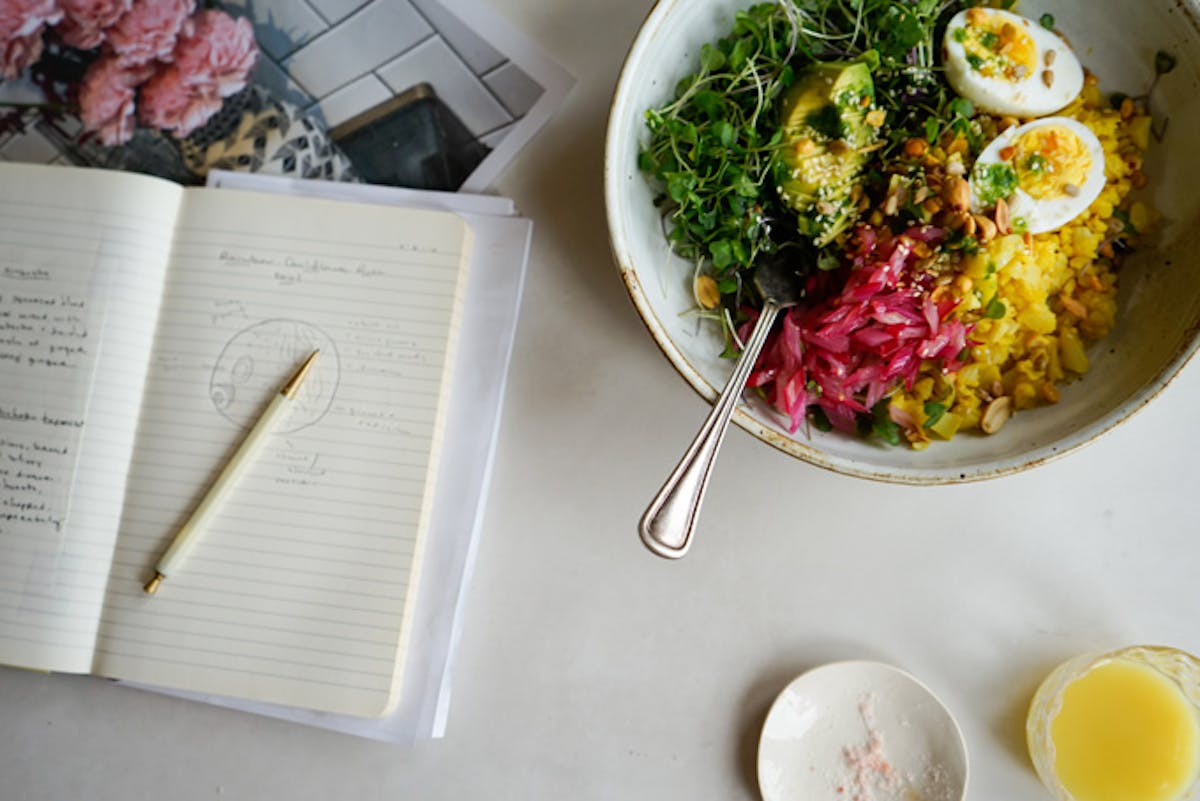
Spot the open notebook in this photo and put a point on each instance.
(142, 328)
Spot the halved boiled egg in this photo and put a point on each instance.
(1048, 172)
(1007, 64)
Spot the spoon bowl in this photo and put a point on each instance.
(860, 730)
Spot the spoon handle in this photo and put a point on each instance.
(666, 527)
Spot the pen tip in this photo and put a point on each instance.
(151, 586)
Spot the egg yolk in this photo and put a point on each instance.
(996, 48)
(1125, 732)
(1050, 162)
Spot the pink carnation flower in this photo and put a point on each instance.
(21, 26)
(216, 50)
(106, 99)
(149, 30)
(171, 103)
(19, 52)
(86, 20)
(19, 19)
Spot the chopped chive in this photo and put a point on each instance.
(934, 411)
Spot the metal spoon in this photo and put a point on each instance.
(666, 527)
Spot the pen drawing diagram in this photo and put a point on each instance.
(257, 359)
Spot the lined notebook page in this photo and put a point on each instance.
(82, 260)
(298, 592)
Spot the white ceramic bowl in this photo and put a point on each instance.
(1158, 327)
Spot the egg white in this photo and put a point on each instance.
(1040, 215)
(1055, 79)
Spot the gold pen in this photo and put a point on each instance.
(241, 459)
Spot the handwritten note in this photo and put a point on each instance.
(38, 330)
(82, 263)
(45, 356)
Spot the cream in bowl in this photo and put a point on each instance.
(983, 314)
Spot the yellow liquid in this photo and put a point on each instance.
(1125, 733)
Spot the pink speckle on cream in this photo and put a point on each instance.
(869, 767)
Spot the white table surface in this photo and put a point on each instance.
(590, 669)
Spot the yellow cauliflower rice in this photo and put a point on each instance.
(1036, 301)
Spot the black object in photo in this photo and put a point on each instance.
(412, 140)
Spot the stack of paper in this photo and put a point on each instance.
(496, 275)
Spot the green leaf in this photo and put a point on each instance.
(933, 412)
(721, 253)
(679, 186)
(882, 425)
(995, 309)
(725, 132)
(932, 126)
(745, 186)
(711, 59)
(727, 286)
(961, 107)
(740, 253)
(903, 31)
(746, 24)
(740, 53)
(709, 102)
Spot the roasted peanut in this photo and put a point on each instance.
(986, 229)
(1003, 222)
(957, 193)
(996, 414)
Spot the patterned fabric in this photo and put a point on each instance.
(255, 132)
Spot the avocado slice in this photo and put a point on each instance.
(825, 136)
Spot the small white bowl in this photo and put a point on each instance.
(1159, 301)
(860, 730)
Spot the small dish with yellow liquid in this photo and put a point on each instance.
(1121, 726)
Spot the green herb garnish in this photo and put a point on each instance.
(994, 182)
(882, 425)
(995, 309)
(934, 411)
